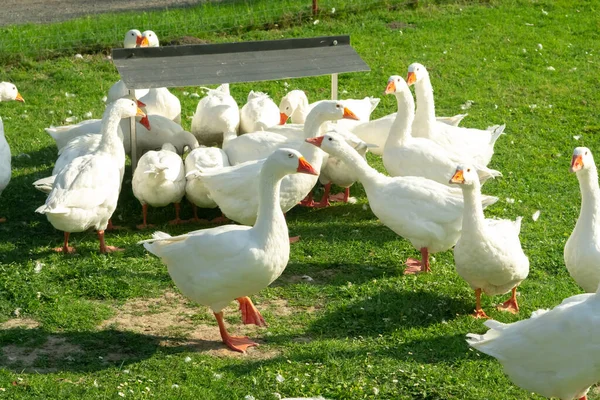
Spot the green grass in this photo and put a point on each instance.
(360, 324)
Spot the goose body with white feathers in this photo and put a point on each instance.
(215, 266)
(405, 155)
(160, 101)
(85, 192)
(488, 254)
(159, 180)
(259, 113)
(476, 144)
(553, 353)
(582, 250)
(424, 212)
(217, 114)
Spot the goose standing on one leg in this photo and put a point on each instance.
(488, 254)
(582, 251)
(85, 191)
(215, 266)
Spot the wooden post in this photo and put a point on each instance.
(334, 86)
(315, 7)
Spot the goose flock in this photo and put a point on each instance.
(254, 166)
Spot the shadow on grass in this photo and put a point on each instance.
(38, 351)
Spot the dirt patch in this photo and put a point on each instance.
(26, 323)
(171, 319)
(399, 25)
(281, 308)
(55, 349)
(185, 40)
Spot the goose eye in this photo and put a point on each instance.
(337, 105)
(586, 153)
(468, 169)
(290, 155)
(330, 139)
(287, 108)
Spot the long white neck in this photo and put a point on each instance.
(300, 113)
(590, 200)
(400, 131)
(425, 102)
(109, 131)
(473, 218)
(270, 222)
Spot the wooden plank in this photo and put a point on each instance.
(195, 70)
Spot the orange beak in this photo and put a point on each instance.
(145, 122)
(20, 98)
(305, 167)
(283, 118)
(140, 113)
(576, 163)
(138, 40)
(144, 42)
(411, 78)
(390, 88)
(140, 104)
(458, 177)
(349, 114)
(315, 141)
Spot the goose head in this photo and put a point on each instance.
(289, 161)
(289, 103)
(582, 159)
(9, 92)
(149, 39)
(396, 84)
(416, 72)
(465, 175)
(331, 110)
(133, 38)
(330, 143)
(126, 108)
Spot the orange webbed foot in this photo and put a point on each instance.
(65, 250)
(250, 314)
(240, 344)
(479, 314)
(509, 306)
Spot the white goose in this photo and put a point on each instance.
(217, 113)
(234, 188)
(160, 101)
(133, 38)
(159, 180)
(405, 155)
(85, 192)
(215, 266)
(8, 92)
(424, 212)
(258, 145)
(488, 254)
(554, 353)
(582, 251)
(476, 144)
(259, 113)
(197, 161)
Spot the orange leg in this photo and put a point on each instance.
(2, 220)
(177, 220)
(112, 227)
(415, 266)
(234, 343)
(510, 305)
(308, 200)
(343, 197)
(196, 219)
(479, 313)
(144, 224)
(103, 247)
(65, 249)
(584, 397)
(250, 315)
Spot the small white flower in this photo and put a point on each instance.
(95, 383)
(551, 68)
(38, 295)
(316, 21)
(249, 397)
(186, 93)
(333, 10)
(78, 56)
(510, 201)
(174, 386)
(533, 106)
(187, 359)
(467, 105)
(375, 391)
(344, 91)
(286, 84)
(577, 137)
(109, 57)
(539, 46)
(524, 50)
(70, 119)
(69, 112)
(573, 69)
(195, 96)
(125, 371)
(17, 312)
(121, 394)
(365, 207)
(544, 12)
(104, 99)
(528, 24)
(67, 94)
(217, 376)
(51, 112)
(88, 114)
(277, 396)
(536, 215)
(280, 378)
(38, 267)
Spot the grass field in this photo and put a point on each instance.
(90, 326)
